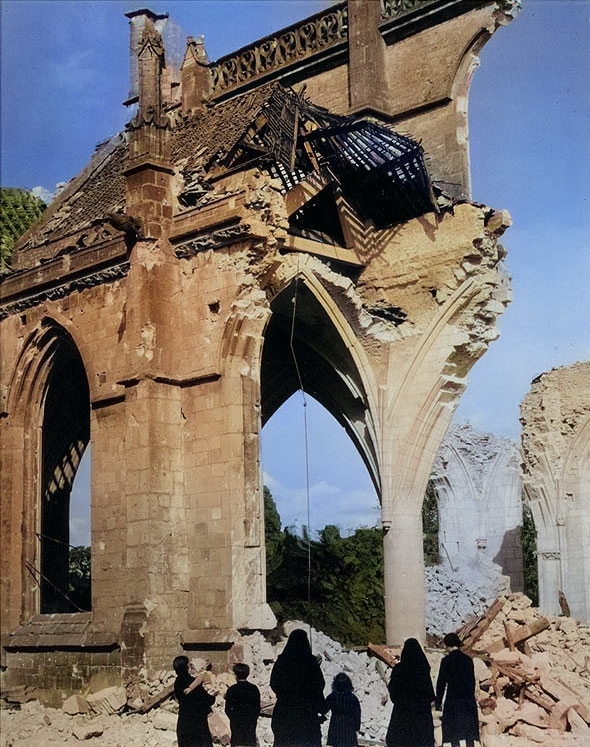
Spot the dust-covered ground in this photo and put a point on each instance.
(557, 657)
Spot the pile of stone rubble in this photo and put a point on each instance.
(454, 595)
(533, 674)
(533, 687)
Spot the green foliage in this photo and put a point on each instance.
(430, 525)
(79, 591)
(19, 209)
(528, 538)
(272, 533)
(344, 596)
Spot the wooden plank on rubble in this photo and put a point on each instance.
(520, 635)
(509, 637)
(471, 632)
(387, 654)
(515, 673)
(156, 699)
(534, 693)
(559, 691)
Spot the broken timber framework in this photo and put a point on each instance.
(149, 313)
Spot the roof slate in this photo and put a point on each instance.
(100, 188)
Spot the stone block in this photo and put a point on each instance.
(75, 704)
(164, 720)
(108, 701)
(83, 732)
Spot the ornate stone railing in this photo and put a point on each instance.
(395, 8)
(293, 44)
(308, 38)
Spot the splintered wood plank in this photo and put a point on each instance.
(509, 638)
(387, 654)
(520, 634)
(471, 632)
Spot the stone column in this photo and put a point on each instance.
(555, 417)
(549, 570)
(403, 559)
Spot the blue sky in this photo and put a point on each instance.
(65, 74)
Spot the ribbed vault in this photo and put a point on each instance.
(300, 330)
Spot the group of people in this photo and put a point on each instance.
(301, 707)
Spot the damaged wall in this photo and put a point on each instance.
(170, 267)
(478, 483)
(555, 417)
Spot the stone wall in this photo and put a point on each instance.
(477, 479)
(555, 417)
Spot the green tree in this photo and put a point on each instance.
(19, 209)
(528, 538)
(430, 525)
(274, 538)
(334, 583)
(79, 591)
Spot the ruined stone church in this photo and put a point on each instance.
(296, 215)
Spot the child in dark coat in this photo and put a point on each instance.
(242, 707)
(346, 713)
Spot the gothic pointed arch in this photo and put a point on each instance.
(49, 399)
(307, 346)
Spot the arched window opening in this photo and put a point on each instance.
(528, 538)
(341, 491)
(65, 435)
(324, 567)
(318, 425)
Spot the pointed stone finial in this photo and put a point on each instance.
(367, 83)
(139, 21)
(195, 78)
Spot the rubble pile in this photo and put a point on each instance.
(457, 594)
(533, 677)
(533, 674)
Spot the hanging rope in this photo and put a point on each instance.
(36, 574)
(53, 539)
(306, 451)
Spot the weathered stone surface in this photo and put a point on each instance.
(75, 704)
(478, 483)
(148, 314)
(107, 701)
(164, 721)
(555, 418)
(84, 732)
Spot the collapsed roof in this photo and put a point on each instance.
(379, 173)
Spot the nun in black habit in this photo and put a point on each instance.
(412, 693)
(456, 684)
(298, 683)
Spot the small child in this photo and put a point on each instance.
(200, 669)
(242, 707)
(345, 721)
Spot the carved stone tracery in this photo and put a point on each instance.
(296, 42)
(212, 240)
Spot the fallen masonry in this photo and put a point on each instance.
(533, 675)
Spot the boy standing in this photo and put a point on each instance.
(242, 707)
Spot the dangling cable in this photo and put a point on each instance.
(306, 451)
(36, 574)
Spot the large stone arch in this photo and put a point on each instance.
(223, 194)
(555, 417)
(49, 411)
(309, 343)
